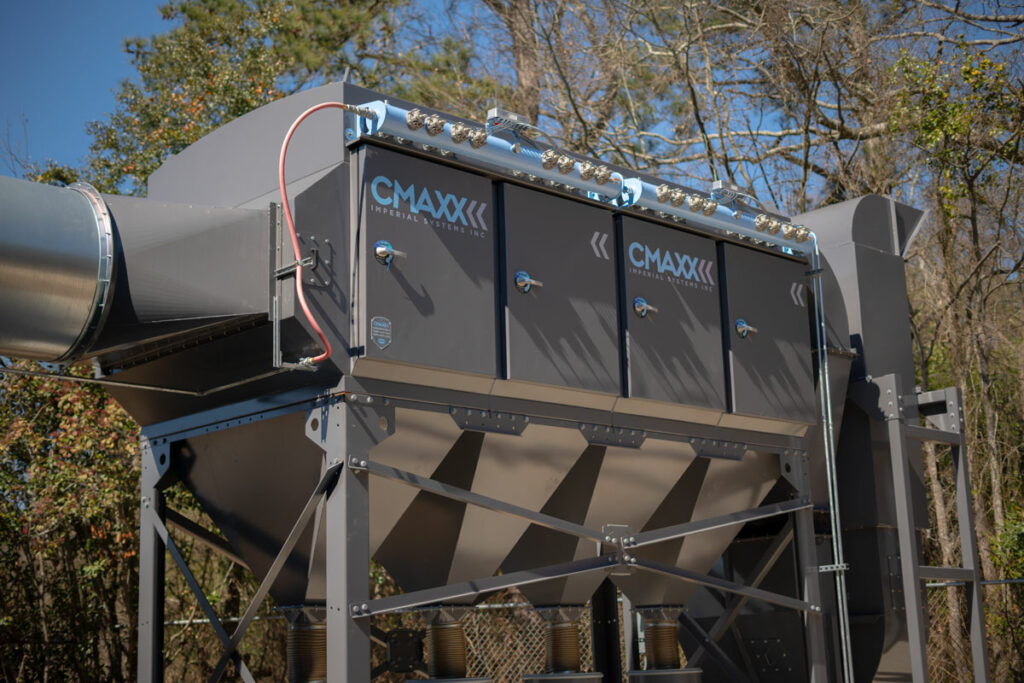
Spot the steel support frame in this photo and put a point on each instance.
(799, 529)
(345, 490)
(151, 565)
(946, 427)
(155, 542)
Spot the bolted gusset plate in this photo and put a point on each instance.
(604, 435)
(489, 421)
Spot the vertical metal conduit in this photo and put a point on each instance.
(828, 432)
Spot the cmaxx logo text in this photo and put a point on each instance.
(671, 265)
(437, 208)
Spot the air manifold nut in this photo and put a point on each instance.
(549, 159)
(459, 132)
(678, 197)
(710, 206)
(435, 124)
(802, 234)
(587, 170)
(602, 175)
(414, 118)
(664, 192)
(762, 222)
(478, 138)
(789, 231)
(694, 203)
(566, 164)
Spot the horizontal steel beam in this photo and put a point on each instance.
(470, 498)
(724, 585)
(946, 573)
(928, 434)
(469, 589)
(679, 530)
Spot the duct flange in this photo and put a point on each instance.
(57, 252)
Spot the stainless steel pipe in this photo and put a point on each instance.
(56, 265)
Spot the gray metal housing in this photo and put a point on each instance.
(546, 389)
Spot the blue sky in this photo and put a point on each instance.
(62, 62)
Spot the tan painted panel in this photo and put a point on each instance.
(552, 394)
(730, 486)
(394, 371)
(523, 470)
(666, 411)
(631, 486)
(420, 442)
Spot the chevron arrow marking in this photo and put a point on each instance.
(480, 216)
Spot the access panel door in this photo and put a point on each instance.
(428, 255)
(562, 319)
(768, 333)
(672, 315)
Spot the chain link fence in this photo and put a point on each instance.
(504, 642)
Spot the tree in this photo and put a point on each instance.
(69, 464)
(223, 59)
(962, 109)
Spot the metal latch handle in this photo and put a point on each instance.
(642, 308)
(524, 283)
(386, 254)
(744, 329)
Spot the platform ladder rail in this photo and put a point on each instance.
(944, 416)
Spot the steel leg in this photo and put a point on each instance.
(604, 608)
(968, 542)
(348, 556)
(917, 619)
(807, 558)
(151, 568)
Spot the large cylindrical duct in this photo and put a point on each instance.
(85, 275)
(56, 265)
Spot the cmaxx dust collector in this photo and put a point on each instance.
(486, 362)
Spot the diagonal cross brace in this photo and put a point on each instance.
(687, 528)
(283, 554)
(732, 610)
(207, 608)
(431, 596)
(712, 648)
(724, 585)
(462, 495)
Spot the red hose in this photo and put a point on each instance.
(300, 295)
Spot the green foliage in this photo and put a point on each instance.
(963, 110)
(223, 59)
(69, 473)
(1009, 545)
